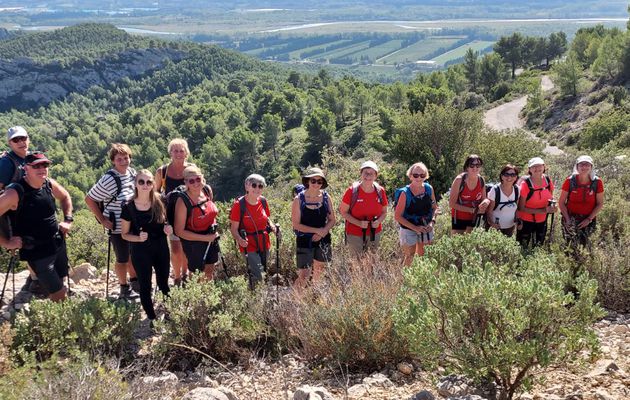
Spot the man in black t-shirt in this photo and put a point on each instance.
(36, 232)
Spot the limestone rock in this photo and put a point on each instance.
(453, 386)
(377, 379)
(84, 271)
(357, 391)
(204, 393)
(167, 378)
(467, 397)
(307, 392)
(603, 367)
(405, 368)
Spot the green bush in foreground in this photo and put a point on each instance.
(215, 317)
(494, 319)
(94, 326)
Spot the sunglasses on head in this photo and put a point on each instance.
(19, 139)
(192, 181)
(317, 181)
(509, 174)
(40, 165)
(257, 185)
(419, 175)
(142, 182)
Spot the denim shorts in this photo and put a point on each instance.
(411, 238)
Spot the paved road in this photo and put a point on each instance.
(507, 116)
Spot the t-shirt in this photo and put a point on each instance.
(365, 209)
(143, 219)
(255, 219)
(7, 167)
(106, 188)
(505, 212)
(539, 199)
(468, 198)
(582, 200)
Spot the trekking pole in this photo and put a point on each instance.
(109, 256)
(364, 231)
(551, 203)
(278, 239)
(373, 229)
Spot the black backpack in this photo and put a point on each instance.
(497, 197)
(243, 209)
(102, 205)
(18, 167)
(530, 186)
(573, 185)
(180, 192)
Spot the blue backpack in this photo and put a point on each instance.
(428, 190)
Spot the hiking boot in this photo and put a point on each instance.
(126, 292)
(34, 287)
(135, 285)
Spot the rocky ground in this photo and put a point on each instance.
(606, 378)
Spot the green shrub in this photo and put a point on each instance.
(215, 317)
(87, 241)
(493, 316)
(95, 326)
(604, 129)
(347, 319)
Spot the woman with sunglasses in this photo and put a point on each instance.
(312, 218)
(167, 178)
(503, 198)
(467, 197)
(535, 203)
(144, 226)
(195, 223)
(581, 199)
(250, 224)
(414, 212)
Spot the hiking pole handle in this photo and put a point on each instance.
(278, 235)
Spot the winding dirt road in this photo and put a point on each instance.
(507, 116)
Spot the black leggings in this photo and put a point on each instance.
(151, 254)
(536, 229)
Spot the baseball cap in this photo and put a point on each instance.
(16, 131)
(535, 161)
(587, 159)
(369, 164)
(36, 157)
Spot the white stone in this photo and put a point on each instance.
(82, 272)
(167, 378)
(357, 391)
(377, 379)
(621, 329)
(204, 393)
(307, 392)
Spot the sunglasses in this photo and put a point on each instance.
(317, 181)
(475, 165)
(584, 164)
(257, 185)
(40, 165)
(419, 175)
(510, 174)
(192, 181)
(142, 182)
(19, 139)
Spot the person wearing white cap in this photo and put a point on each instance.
(535, 203)
(364, 207)
(581, 199)
(12, 163)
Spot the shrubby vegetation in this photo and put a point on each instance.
(477, 305)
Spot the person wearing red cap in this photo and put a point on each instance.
(38, 235)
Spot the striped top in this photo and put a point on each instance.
(106, 188)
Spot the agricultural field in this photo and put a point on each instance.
(419, 50)
(460, 52)
(296, 54)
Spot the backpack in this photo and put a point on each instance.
(180, 191)
(355, 194)
(574, 185)
(18, 167)
(102, 205)
(428, 190)
(497, 197)
(530, 186)
(243, 208)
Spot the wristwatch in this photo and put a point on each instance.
(68, 218)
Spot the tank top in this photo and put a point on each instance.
(315, 218)
(469, 198)
(170, 183)
(35, 221)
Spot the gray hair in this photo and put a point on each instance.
(255, 178)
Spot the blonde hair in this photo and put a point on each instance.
(118, 148)
(417, 165)
(192, 170)
(178, 142)
(158, 212)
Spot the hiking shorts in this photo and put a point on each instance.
(321, 252)
(121, 248)
(255, 265)
(51, 270)
(461, 224)
(194, 253)
(355, 243)
(411, 238)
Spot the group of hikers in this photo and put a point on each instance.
(168, 218)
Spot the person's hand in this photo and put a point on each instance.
(375, 223)
(107, 224)
(585, 222)
(168, 229)
(364, 224)
(211, 237)
(14, 243)
(64, 227)
(483, 206)
(143, 236)
(321, 232)
(242, 242)
(428, 228)
(317, 238)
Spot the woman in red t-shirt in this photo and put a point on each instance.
(468, 196)
(581, 199)
(534, 204)
(195, 223)
(251, 226)
(364, 207)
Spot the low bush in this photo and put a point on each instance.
(94, 326)
(347, 319)
(87, 241)
(217, 318)
(491, 315)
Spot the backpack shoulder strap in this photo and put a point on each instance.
(17, 166)
(207, 190)
(572, 183)
(516, 193)
(355, 195)
(325, 201)
(264, 204)
(594, 184)
(497, 195)
(117, 180)
(302, 200)
(379, 192)
(241, 206)
(530, 186)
